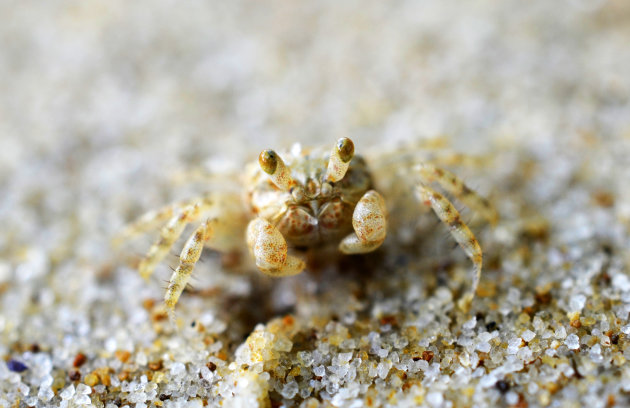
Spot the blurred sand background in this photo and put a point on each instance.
(102, 103)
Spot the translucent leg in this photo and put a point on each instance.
(445, 210)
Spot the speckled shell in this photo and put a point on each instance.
(316, 219)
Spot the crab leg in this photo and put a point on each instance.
(216, 232)
(148, 221)
(462, 234)
(457, 159)
(270, 250)
(168, 235)
(187, 260)
(369, 221)
(455, 186)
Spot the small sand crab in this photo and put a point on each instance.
(313, 199)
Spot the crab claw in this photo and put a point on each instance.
(370, 225)
(270, 250)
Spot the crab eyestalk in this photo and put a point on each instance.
(273, 165)
(340, 158)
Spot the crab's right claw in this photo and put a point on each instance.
(269, 248)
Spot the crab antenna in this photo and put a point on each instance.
(340, 158)
(273, 165)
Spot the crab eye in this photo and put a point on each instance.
(345, 149)
(273, 165)
(339, 160)
(268, 160)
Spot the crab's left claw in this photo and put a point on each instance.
(369, 221)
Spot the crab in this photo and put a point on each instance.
(313, 199)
